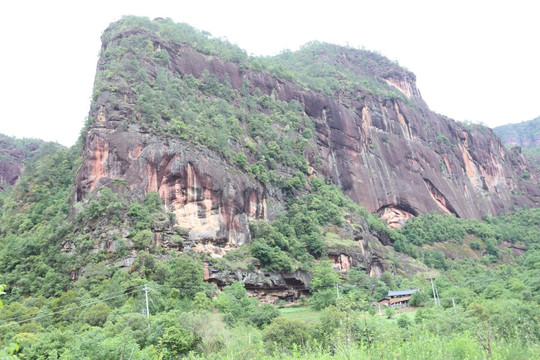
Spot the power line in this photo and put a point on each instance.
(79, 304)
(74, 303)
(69, 309)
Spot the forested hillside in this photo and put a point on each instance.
(15, 152)
(525, 135)
(213, 208)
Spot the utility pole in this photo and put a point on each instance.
(438, 298)
(146, 294)
(147, 310)
(453, 302)
(433, 288)
(337, 289)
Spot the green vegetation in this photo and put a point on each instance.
(332, 69)
(77, 276)
(521, 226)
(253, 130)
(47, 313)
(296, 237)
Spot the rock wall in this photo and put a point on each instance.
(212, 199)
(394, 156)
(389, 152)
(267, 287)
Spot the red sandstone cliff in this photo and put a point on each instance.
(395, 156)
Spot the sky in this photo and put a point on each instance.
(474, 60)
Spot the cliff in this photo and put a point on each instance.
(226, 140)
(388, 152)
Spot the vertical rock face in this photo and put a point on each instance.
(390, 153)
(211, 198)
(385, 155)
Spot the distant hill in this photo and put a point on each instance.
(14, 152)
(525, 134)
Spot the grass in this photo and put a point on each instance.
(304, 313)
(332, 240)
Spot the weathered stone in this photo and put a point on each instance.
(267, 287)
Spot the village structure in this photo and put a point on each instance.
(398, 298)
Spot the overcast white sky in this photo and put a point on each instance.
(474, 60)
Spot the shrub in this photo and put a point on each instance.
(263, 315)
(241, 160)
(403, 321)
(285, 334)
(142, 239)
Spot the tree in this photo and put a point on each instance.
(418, 298)
(143, 239)
(202, 302)
(8, 352)
(152, 201)
(177, 341)
(234, 302)
(97, 314)
(186, 275)
(324, 276)
(323, 285)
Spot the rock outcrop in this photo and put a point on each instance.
(267, 287)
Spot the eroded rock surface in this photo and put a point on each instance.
(211, 198)
(267, 287)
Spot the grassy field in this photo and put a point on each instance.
(304, 313)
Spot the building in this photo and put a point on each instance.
(398, 298)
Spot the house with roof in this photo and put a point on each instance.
(398, 298)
